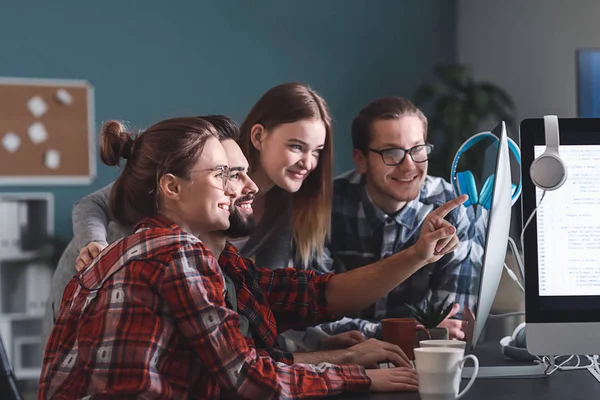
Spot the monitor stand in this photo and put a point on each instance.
(494, 364)
(507, 371)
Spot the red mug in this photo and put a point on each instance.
(403, 333)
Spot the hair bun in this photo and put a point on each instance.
(115, 143)
(127, 149)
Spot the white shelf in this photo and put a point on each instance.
(28, 373)
(20, 316)
(26, 221)
(19, 257)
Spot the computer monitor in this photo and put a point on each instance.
(562, 243)
(494, 227)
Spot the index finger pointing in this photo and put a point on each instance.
(450, 205)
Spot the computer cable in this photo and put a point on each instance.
(513, 277)
(529, 220)
(551, 367)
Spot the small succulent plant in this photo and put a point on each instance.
(430, 315)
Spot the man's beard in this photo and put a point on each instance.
(240, 226)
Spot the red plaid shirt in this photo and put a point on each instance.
(275, 301)
(148, 318)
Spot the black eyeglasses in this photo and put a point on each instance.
(395, 156)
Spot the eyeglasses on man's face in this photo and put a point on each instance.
(395, 156)
(221, 172)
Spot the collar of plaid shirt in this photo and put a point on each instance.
(375, 216)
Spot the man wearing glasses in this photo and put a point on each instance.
(380, 207)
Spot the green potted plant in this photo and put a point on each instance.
(456, 105)
(430, 316)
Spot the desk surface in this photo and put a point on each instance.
(561, 385)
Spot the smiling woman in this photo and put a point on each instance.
(287, 137)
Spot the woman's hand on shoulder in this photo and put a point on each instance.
(88, 253)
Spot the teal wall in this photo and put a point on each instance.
(149, 60)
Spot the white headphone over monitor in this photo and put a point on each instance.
(548, 171)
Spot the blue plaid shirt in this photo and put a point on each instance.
(362, 234)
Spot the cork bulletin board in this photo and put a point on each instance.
(46, 132)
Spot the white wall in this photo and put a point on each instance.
(528, 47)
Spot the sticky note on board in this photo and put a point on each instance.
(64, 97)
(37, 106)
(37, 133)
(52, 159)
(11, 142)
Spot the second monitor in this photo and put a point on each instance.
(562, 242)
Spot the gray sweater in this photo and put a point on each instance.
(91, 223)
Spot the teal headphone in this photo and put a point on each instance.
(463, 182)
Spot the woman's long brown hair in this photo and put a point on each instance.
(311, 205)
